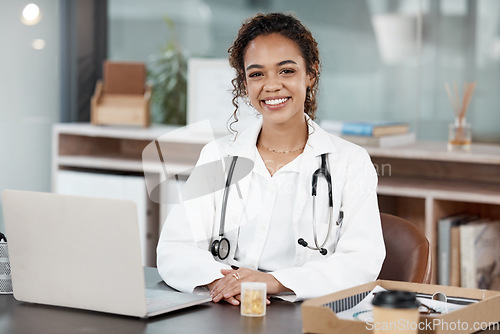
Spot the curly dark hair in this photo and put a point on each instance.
(288, 26)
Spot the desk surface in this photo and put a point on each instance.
(209, 318)
(23, 318)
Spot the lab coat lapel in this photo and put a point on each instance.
(243, 147)
(304, 187)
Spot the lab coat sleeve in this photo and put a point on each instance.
(360, 251)
(183, 257)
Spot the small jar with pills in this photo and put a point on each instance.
(253, 299)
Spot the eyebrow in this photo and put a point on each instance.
(281, 63)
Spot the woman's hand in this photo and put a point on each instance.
(228, 288)
(234, 300)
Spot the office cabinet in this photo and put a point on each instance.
(107, 162)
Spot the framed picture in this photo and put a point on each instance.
(210, 96)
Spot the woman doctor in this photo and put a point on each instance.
(269, 217)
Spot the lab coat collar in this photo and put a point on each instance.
(243, 144)
(319, 141)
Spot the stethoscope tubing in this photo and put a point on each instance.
(225, 195)
(315, 233)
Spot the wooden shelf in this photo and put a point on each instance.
(437, 151)
(438, 189)
(118, 164)
(177, 133)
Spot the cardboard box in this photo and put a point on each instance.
(121, 98)
(318, 314)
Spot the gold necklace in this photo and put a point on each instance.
(280, 152)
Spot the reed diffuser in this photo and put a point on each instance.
(460, 135)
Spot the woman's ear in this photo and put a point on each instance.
(313, 75)
(244, 90)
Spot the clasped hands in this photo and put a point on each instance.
(228, 288)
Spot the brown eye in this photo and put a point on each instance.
(255, 74)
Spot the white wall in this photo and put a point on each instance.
(29, 96)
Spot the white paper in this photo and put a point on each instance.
(363, 311)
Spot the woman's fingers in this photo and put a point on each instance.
(227, 271)
(232, 300)
(227, 287)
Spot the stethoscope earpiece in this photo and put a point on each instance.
(302, 242)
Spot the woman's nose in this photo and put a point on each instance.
(272, 84)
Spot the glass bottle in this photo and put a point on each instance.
(459, 135)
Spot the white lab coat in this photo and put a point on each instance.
(184, 259)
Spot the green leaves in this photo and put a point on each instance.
(167, 74)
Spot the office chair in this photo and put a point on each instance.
(407, 251)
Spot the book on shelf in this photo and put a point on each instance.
(382, 141)
(455, 255)
(480, 255)
(444, 244)
(365, 128)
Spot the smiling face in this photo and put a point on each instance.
(276, 79)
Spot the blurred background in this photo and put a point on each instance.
(382, 60)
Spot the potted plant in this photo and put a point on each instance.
(167, 74)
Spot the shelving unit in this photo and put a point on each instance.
(424, 182)
(117, 152)
(421, 182)
(120, 149)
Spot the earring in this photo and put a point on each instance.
(247, 101)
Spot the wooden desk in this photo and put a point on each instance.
(23, 318)
(210, 318)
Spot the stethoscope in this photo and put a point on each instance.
(322, 171)
(220, 248)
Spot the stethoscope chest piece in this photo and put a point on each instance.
(220, 248)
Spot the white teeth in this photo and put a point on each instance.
(276, 101)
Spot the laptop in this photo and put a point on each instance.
(82, 252)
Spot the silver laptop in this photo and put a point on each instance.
(82, 252)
